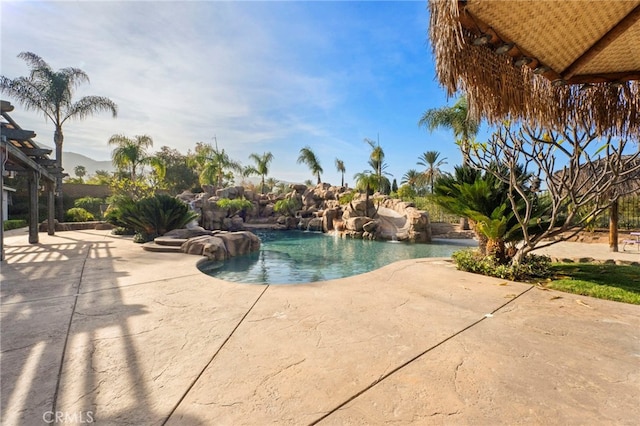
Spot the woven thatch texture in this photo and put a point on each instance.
(557, 31)
(496, 89)
(623, 53)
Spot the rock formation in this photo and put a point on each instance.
(322, 208)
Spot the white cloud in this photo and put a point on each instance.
(260, 76)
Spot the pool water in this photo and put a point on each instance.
(287, 257)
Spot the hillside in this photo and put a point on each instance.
(71, 159)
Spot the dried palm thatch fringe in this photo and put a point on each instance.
(498, 90)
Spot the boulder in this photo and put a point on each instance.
(238, 243)
(356, 223)
(298, 188)
(370, 226)
(329, 216)
(183, 233)
(315, 224)
(231, 192)
(222, 245)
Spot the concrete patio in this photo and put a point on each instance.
(96, 330)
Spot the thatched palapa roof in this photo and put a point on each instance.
(547, 62)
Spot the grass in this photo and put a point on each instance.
(620, 283)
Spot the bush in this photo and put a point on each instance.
(532, 266)
(407, 193)
(287, 207)
(344, 199)
(10, 224)
(234, 206)
(90, 204)
(152, 216)
(78, 214)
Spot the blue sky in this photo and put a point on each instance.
(259, 76)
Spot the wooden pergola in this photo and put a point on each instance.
(545, 62)
(20, 154)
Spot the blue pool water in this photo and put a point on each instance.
(287, 257)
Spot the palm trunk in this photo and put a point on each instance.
(319, 181)
(58, 139)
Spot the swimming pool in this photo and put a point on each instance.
(287, 257)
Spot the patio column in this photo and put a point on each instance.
(33, 207)
(52, 211)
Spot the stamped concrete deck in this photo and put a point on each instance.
(96, 330)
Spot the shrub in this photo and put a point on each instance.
(78, 214)
(10, 224)
(90, 204)
(406, 193)
(346, 198)
(532, 266)
(287, 207)
(234, 206)
(152, 216)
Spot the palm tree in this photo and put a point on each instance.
(341, 169)
(457, 119)
(376, 160)
(271, 183)
(51, 93)
(212, 164)
(261, 168)
(365, 181)
(308, 157)
(413, 178)
(430, 160)
(130, 153)
(80, 171)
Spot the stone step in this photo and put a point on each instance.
(152, 246)
(168, 241)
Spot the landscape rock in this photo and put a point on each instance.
(222, 245)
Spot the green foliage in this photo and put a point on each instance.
(178, 174)
(127, 188)
(620, 283)
(234, 206)
(151, 216)
(10, 224)
(90, 204)
(344, 199)
(406, 193)
(287, 207)
(78, 214)
(532, 266)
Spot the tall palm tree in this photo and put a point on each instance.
(130, 153)
(261, 167)
(431, 161)
(308, 157)
(376, 159)
(457, 119)
(51, 93)
(341, 169)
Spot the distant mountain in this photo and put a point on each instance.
(70, 160)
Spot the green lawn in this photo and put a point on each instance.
(620, 283)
